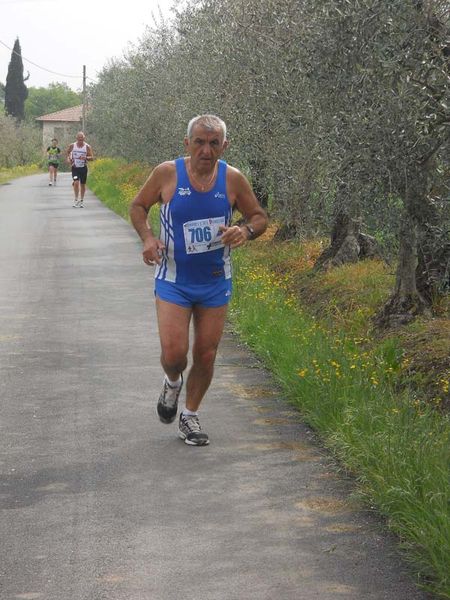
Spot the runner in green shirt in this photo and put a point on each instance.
(53, 154)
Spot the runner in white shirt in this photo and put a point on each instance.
(78, 154)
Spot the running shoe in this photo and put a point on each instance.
(167, 406)
(190, 431)
(50, 183)
(80, 205)
(76, 203)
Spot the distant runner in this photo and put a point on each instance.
(78, 154)
(53, 156)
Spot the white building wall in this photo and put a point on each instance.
(63, 131)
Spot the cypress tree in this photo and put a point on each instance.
(16, 91)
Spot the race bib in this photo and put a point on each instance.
(203, 235)
(79, 158)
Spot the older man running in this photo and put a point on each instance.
(197, 194)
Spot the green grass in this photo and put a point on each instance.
(117, 182)
(396, 446)
(343, 380)
(20, 171)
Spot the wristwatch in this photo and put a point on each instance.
(250, 230)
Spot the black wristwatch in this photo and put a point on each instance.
(251, 231)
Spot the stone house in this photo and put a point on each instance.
(62, 125)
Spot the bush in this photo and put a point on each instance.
(21, 143)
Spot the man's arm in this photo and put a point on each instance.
(148, 195)
(89, 153)
(68, 153)
(245, 201)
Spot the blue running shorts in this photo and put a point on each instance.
(210, 295)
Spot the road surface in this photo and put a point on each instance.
(98, 499)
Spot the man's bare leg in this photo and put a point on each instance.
(208, 329)
(173, 324)
(76, 191)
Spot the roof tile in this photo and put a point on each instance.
(67, 114)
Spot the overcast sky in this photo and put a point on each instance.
(62, 36)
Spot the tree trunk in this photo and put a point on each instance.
(344, 246)
(406, 302)
(433, 269)
(348, 244)
(287, 231)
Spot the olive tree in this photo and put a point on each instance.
(337, 111)
(21, 143)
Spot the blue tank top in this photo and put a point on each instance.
(190, 231)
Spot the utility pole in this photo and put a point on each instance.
(83, 115)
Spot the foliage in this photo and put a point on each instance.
(21, 143)
(331, 106)
(15, 89)
(117, 182)
(42, 101)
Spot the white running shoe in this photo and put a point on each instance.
(167, 406)
(76, 203)
(190, 431)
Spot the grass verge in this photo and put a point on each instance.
(20, 171)
(396, 445)
(350, 385)
(117, 182)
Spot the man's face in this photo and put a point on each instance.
(205, 147)
(54, 143)
(80, 138)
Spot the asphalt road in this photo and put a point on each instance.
(98, 499)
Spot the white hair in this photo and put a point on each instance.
(209, 122)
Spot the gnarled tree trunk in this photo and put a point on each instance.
(433, 269)
(348, 244)
(405, 302)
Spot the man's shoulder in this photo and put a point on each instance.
(230, 168)
(234, 173)
(167, 164)
(166, 168)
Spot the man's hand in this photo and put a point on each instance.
(153, 251)
(234, 236)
